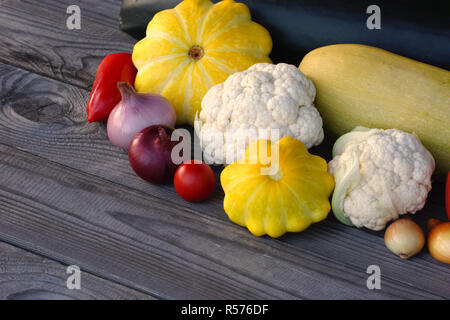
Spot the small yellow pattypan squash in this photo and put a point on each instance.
(194, 46)
(274, 199)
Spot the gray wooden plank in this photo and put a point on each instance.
(27, 276)
(46, 118)
(169, 250)
(35, 37)
(131, 236)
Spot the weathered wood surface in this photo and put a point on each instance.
(68, 194)
(34, 36)
(174, 252)
(27, 276)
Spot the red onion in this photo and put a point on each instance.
(135, 112)
(150, 154)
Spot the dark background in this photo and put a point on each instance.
(415, 29)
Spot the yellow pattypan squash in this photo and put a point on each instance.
(194, 46)
(290, 198)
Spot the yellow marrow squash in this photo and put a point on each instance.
(359, 85)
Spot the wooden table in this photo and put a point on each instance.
(67, 196)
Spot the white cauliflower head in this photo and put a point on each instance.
(267, 101)
(379, 175)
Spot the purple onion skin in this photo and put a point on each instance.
(150, 154)
(135, 112)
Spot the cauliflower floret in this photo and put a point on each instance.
(266, 101)
(379, 174)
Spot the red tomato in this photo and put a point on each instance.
(447, 195)
(194, 182)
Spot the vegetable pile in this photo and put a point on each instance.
(210, 63)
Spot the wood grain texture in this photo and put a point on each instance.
(131, 236)
(26, 276)
(173, 252)
(72, 196)
(35, 37)
(67, 193)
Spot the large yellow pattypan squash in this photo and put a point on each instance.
(288, 197)
(194, 46)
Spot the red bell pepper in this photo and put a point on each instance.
(447, 195)
(104, 96)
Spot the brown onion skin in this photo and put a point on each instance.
(150, 154)
(404, 238)
(431, 223)
(439, 242)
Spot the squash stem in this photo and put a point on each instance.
(196, 53)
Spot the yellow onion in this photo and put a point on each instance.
(404, 238)
(439, 242)
(431, 223)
